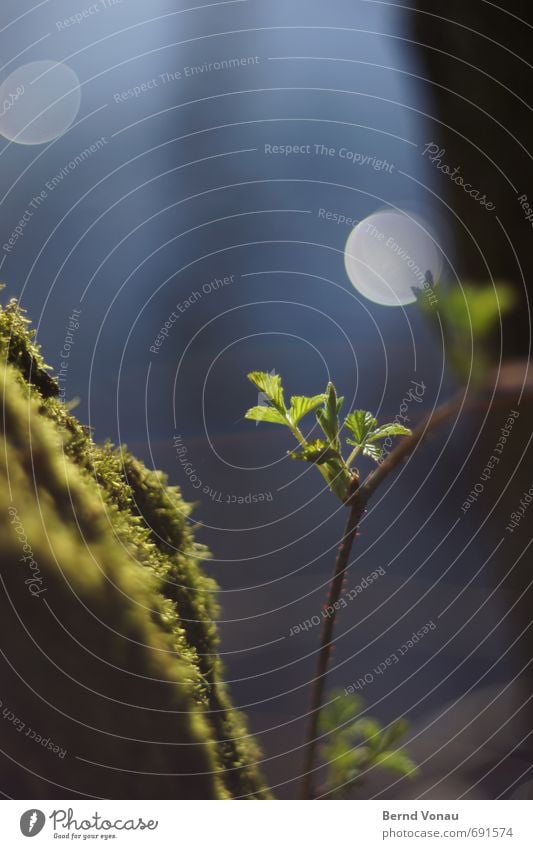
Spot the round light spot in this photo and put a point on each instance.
(388, 255)
(38, 102)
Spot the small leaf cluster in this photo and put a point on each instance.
(325, 452)
(466, 316)
(355, 743)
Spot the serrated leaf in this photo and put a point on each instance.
(301, 405)
(393, 429)
(266, 414)
(317, 452)
(270, 385)
(360, 423)
(373, 451)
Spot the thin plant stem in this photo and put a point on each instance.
(319, 683)
(353, 455)
(357, 504)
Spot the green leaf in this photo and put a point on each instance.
(354, 743)
(332, 402)
(368, 729)
(301, 405)
(398, 761)
(266, 414)
(270, 385)
(328, 416)
(393, 733)
(317, 452)
(322, 419)
(393, 429)
(365, 430)
(339, 711)
(348, 764)
(477, 309)
(372, 451)
(361, 424)
(465, 316)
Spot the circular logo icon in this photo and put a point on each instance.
(32, 822)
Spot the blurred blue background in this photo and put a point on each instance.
(181, 193)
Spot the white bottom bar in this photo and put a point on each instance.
(268, 825)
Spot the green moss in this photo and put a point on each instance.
(125, 642)
(18, 347)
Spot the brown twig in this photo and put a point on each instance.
(357, 505)
(319, 683)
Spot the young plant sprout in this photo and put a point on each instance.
(355, 743)
(361, 432)
(326, 453)
(465, 318)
